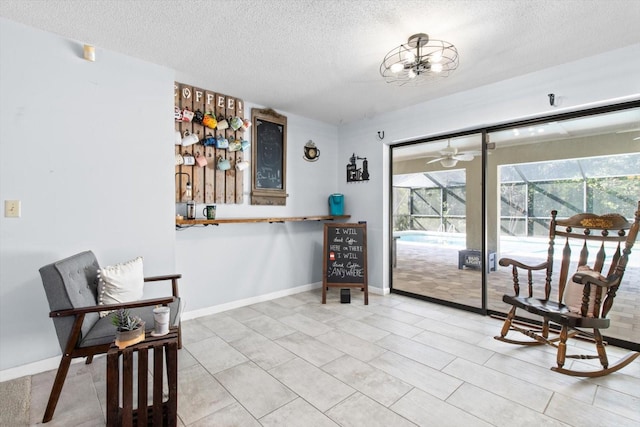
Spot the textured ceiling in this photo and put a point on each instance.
(321, 58)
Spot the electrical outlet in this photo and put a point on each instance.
(12, 208)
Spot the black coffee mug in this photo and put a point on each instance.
(197, 117)
(209, 211)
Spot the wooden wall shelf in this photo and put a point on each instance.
(191, 222)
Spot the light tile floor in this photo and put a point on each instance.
(396, 362)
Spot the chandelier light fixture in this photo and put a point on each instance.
(419, 60)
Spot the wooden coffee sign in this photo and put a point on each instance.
(345, 258)
(209, 183)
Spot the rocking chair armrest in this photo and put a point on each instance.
(583, 279)
(108, 307)
(505, 262)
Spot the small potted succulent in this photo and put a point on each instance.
(129, 329)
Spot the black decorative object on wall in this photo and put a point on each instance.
(355, 174)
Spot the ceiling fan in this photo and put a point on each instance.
(450, 156)
(637, 138)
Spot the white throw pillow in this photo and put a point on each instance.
(120, 283)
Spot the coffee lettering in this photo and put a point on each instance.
(209, 98)
(220, 101)
(198, 95)
(231, 103)
(186, 93)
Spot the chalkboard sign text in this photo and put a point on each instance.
(269, 155)
(345, 257)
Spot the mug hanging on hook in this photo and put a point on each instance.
(222, 123)
(189, 160)
(209, 121)
(223, 164)
(241, 164)
(222, 142)
(201, 160)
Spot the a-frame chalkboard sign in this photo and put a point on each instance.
(345, 258)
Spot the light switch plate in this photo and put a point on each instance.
(12, 208)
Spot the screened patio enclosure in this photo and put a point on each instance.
(435, 201)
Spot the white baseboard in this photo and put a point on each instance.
(188, 315)
(53, 362)
(379, 291)
(34, 368)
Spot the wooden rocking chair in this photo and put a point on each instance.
(585, 300)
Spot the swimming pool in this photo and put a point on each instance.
(454, 240)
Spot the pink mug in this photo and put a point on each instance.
(201, 160)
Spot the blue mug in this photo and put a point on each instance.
(223, 164)
(222, 142)
(209, 140)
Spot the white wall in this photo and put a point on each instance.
(602, 79)
(86, 147)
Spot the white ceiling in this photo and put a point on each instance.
(320, 58)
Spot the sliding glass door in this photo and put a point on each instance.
(585, 164)
(455, 211)
(436, 219)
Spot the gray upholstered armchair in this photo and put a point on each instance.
(71, 286)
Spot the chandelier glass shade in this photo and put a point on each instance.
(419, 60)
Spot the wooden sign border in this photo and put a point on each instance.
(259, 195)
(364, 286)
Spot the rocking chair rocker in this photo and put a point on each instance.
(585, 300)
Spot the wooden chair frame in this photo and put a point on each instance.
(612, 229)
(72, 348)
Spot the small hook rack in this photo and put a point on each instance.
(380, 135)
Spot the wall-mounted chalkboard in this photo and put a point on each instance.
(269, 155)
(345, 258)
